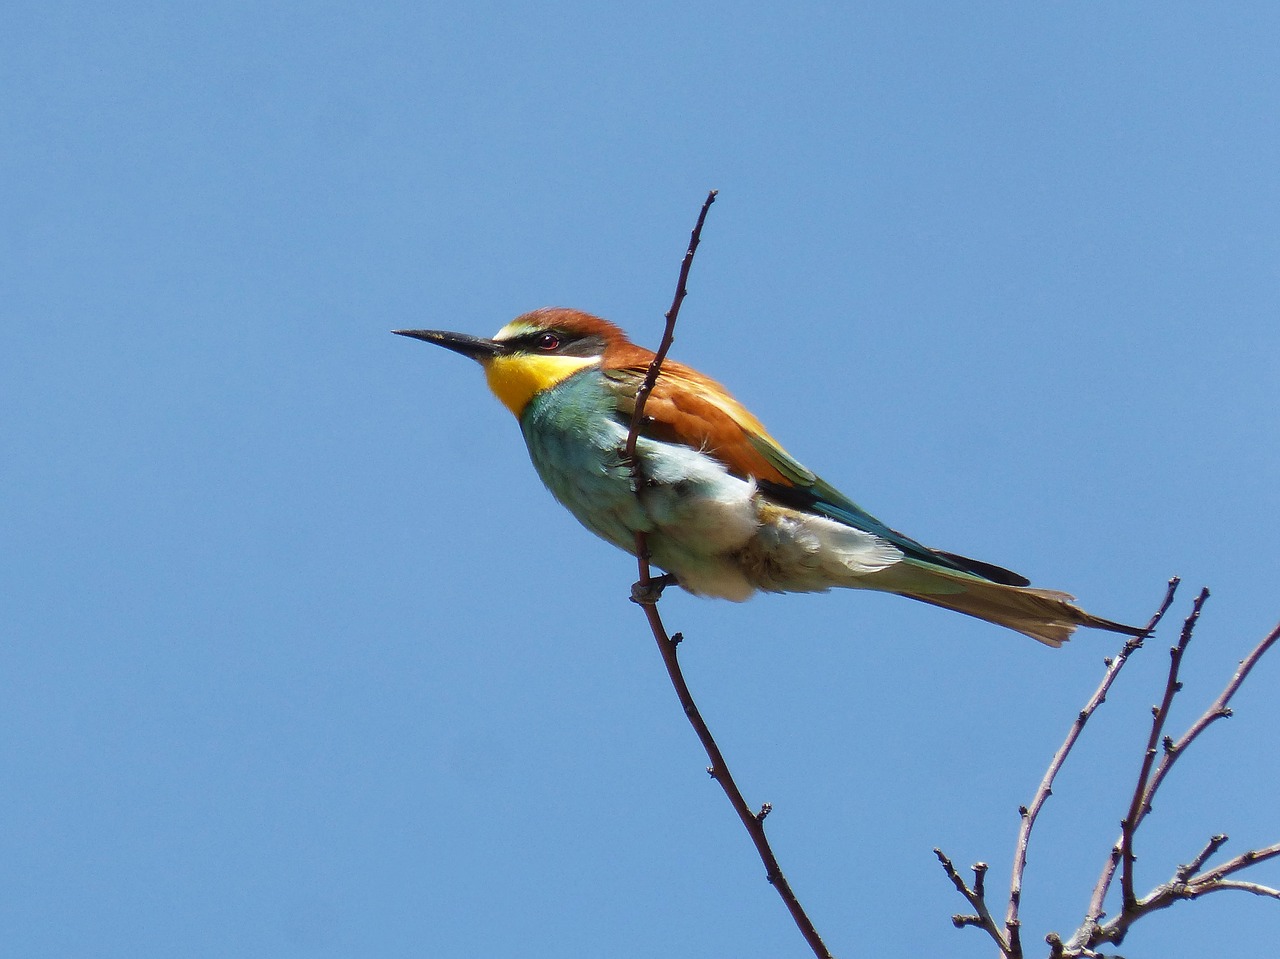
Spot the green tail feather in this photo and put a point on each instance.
(1043, 614)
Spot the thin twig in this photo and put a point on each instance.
(1218, 710)
(1098, 900)
(719, 770)
(1095, 911)
(1187, 870)
(1172, 750)
(1234, 865)
(1254, 887)
(1140, 804)
(667, 644)
(1045, 790)
(1177, 890)
(668, 334)
(1183, 885)
(977, 900)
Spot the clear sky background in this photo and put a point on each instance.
(298, 657)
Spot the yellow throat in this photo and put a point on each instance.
(517, 379)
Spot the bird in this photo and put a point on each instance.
(725, 510)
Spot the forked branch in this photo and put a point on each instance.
(1190, 881)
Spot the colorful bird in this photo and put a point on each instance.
(725, 509)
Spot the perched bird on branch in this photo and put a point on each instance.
(725, 510)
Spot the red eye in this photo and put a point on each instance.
(548, 342)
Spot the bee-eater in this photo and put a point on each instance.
(725, 509)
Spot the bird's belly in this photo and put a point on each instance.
(695, 514)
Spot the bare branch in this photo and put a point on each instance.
(668, 334)
(977, 900)
(1178, 890)
(1187, 870)
(1140, 804)
(1145, 793)
(1094, 914)
(647, 592)
(1218, 710)
(1242, 861)
(1187, 882)
(1045, 790)
(1256, 888)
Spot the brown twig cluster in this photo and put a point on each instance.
(1190, 881)
(647, 591)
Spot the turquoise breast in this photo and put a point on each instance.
(576, 443)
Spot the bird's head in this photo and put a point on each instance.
(535, 351)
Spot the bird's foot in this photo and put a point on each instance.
(648, 594)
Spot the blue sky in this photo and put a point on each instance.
(301, 660)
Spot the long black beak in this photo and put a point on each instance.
(476, 347)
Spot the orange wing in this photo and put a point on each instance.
(694, 410)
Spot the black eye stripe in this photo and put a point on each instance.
(565, 343)
(537, 340)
